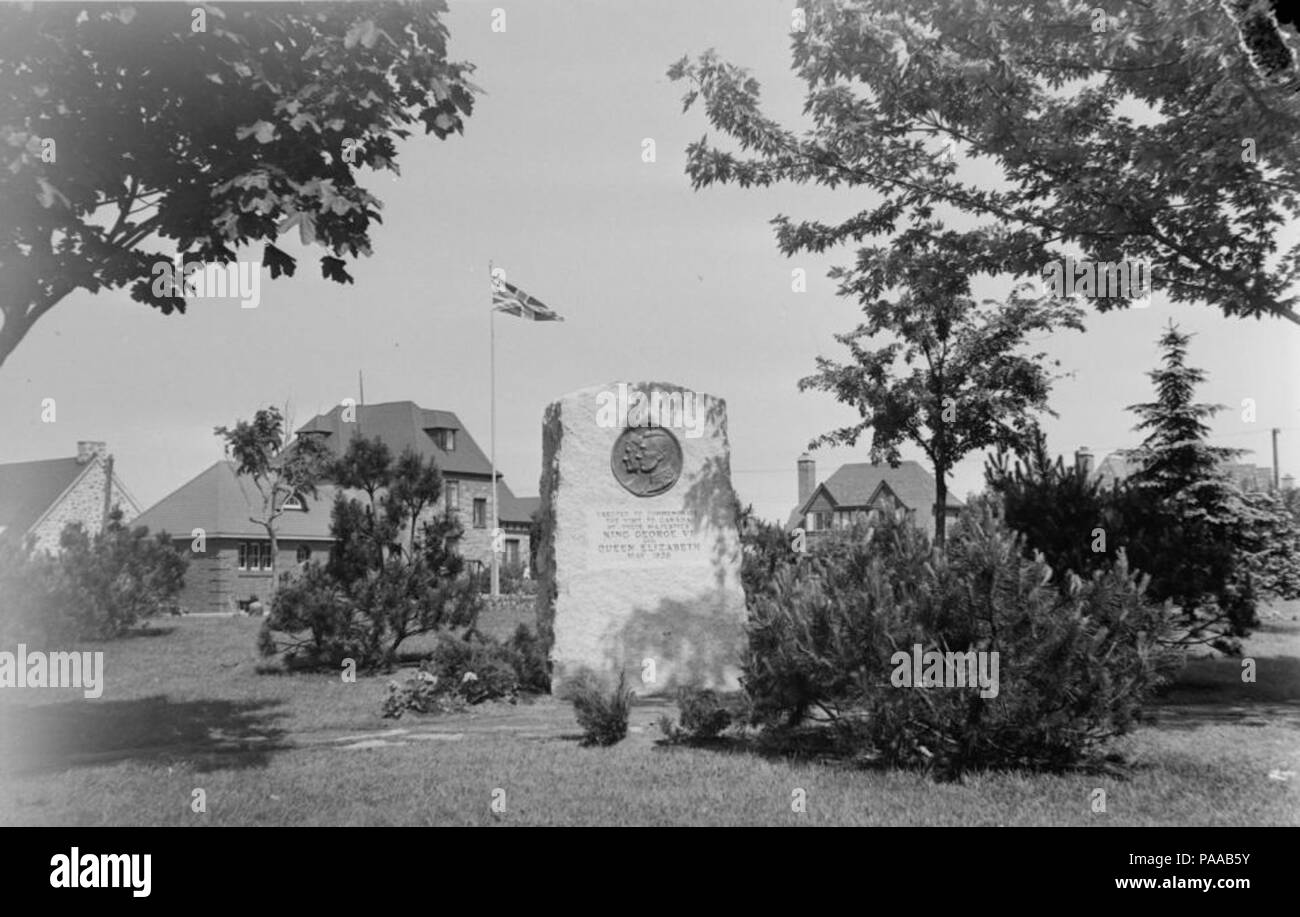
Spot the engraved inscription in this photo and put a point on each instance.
(632, 536)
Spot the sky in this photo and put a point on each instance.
(655, 282)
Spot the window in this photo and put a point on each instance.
(444, 438)
(304, 554)
(255, 555)
(512, 551)
(453, 495)
(821, 521)
(480, 513)
(294, 502)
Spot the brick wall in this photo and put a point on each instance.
(214, 581)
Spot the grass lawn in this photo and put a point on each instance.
(186, 708)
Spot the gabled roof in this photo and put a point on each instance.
(515, 509)
(1117, 466)
(220, 502)
(28, 489)
(856, 485)
(1124, 463)
(529, 505)
(401, 424)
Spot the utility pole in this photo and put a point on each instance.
(1276, 481)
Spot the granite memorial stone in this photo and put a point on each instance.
(639, 558)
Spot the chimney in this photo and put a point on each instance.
(108, 492)
(807, 477)
(1083, 461)
(88, 449)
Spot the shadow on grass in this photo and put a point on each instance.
(147, 630)
(213, 735)
(1211, 692)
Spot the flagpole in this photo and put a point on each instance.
(492, 434)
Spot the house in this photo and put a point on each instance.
(39, 498)
(856, 489)
(1122, 463)
(466, 470)
(209, 518)
(235, 566)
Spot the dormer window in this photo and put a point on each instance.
(444, 438)
(294, 502)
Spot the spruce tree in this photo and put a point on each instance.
(1175, 457)
(1183, 521)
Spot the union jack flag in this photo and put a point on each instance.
(506, 297)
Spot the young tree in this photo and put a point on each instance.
(962, 386)
(209, 126)
(1130, 131)
(1058, 508)
(280, 468)
(1183, 520)
(96, 587)
(391, 574)
(363, 533)
(416, 486)
(1176, 458)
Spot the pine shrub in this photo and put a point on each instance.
(601, 714)
(1075, 663)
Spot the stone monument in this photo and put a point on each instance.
(639, 558)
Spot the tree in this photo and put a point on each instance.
(280, 468)
(96, 587)
(968, 387)
(134, 133)
(1060, 510)
(1176, 458)
(1186, 522)
(1130, 131)
(392, 571)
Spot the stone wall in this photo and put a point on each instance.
(83, 503)
(476, 543)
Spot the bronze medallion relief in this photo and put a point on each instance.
(646, 460)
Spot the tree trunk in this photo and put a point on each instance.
(21, 315)
(940, 504)
(275, 551)
(270, 533)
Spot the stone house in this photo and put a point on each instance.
(856, 489)
(1122, 463)
(38, 499)
(234, 569)
(466, 470)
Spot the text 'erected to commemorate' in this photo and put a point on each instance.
(637, 536)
